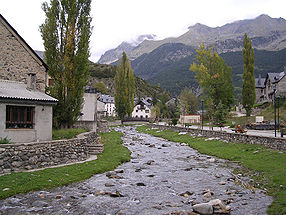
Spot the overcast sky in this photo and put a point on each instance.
(116, 21)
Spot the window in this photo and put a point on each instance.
(146, 111)
(146, 116)
(19, 117)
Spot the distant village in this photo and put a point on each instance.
(25, 105)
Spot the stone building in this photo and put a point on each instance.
(25, 109)
(260, 90)
(18, 59)
(274, 83)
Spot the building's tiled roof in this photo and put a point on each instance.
(146, 101)
(18, 91)
(106, 98)
(260, 82)
(275, 77)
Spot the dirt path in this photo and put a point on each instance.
(162, 177)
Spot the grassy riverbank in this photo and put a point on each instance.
(67, 133)
(267, 167)
(113, 155)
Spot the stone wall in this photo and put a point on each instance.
(102, 125)
(269, 142)
(25, 156)
(17, 60)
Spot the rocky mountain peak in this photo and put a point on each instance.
(265, 32)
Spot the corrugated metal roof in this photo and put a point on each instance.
(18, 90)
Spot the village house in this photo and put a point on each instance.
(274, 83)
(142, 108)
(109, 106)
(25, 109)
(260, 90)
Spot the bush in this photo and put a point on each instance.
(4, 140)
(174, 121)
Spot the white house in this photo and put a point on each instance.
(190, 119)
(142, 109)
(109, 105)
(88, 115)
(25, 113)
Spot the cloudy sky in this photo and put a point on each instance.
(115, 21)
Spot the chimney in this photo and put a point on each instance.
(259, 79)
(31, 81)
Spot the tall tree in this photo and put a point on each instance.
(124, 88)
(189, 102)
(248, 86)
(215, 79)
(66, 32)
(100, 87)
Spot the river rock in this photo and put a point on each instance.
(207, 193)
(109, 185)
(40, 204)
(203, 208)
(150, 162)
(187, 194)
(219, 207)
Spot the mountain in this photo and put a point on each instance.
(106, 73)
(169, 64)
(266, 33)
(113, 55)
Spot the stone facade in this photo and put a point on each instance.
(281, 87)
(25, 156)
(17, 59)
(269, 142)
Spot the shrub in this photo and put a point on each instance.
(5, 140)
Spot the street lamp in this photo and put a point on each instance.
(278, 97)
(274, 90)
(202, 114)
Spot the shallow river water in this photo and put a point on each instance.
(162, 177)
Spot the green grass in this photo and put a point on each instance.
(67, 133)
(269, 164)
(113, 155)
(5, 140)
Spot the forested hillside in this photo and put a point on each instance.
(169, 66)
(105, 73)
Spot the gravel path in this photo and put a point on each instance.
(162, 178)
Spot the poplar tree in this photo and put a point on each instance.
(124, 88)
(248, 86)
(66, 33)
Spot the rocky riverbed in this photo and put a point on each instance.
(162, 177)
